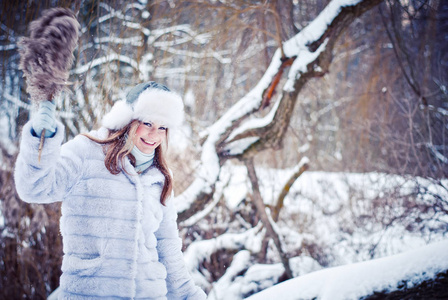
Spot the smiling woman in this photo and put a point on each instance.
(118, 225)
(149, 136)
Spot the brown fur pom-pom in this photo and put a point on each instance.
(47, 54)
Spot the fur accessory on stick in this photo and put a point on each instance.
(46, 56)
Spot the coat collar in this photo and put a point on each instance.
(150, 176)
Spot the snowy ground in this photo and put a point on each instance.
(362, 279)
(351, 218)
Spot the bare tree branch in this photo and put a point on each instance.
(300, 169)
(261, 209)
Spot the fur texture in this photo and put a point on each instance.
(119, 241)
(47, 54)
(152, 104)
(119, 116)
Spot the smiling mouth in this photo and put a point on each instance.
(148, 143)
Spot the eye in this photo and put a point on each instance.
(163, 128)
(147, 124)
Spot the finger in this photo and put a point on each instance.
(46, 116)
(46, 110)
(48, 124)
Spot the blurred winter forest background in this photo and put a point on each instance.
(300, 151)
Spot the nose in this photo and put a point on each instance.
(155, 133)
(152, 130)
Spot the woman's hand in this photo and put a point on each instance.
(45, 119)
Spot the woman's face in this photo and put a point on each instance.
(149, 136)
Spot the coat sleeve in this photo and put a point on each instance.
(50, 179)
(169, 246)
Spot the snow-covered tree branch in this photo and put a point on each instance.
(309, 53)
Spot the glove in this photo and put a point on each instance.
(44, 119)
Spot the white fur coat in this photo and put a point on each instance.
(119, 241)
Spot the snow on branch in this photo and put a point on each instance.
(112, 13)
(203, 213)
(210, 166)
(134, 6)
(191, 36)
(133, 41)
(200, 251)
(8, 47)
(29, 106)
(437, 153)
(240, 262)
(11, 37)
(254, 123)
(11, 34)
(17, 101)
(213, 54)
(106, 59)
(310, 51)
(157, 33)
(356, 281)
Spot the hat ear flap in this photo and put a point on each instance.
(119, 116)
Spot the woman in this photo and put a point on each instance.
(119, 230)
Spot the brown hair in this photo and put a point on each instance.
(117, 146)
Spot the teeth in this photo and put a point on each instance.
(149, 143)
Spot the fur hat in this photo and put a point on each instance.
(149, 101)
